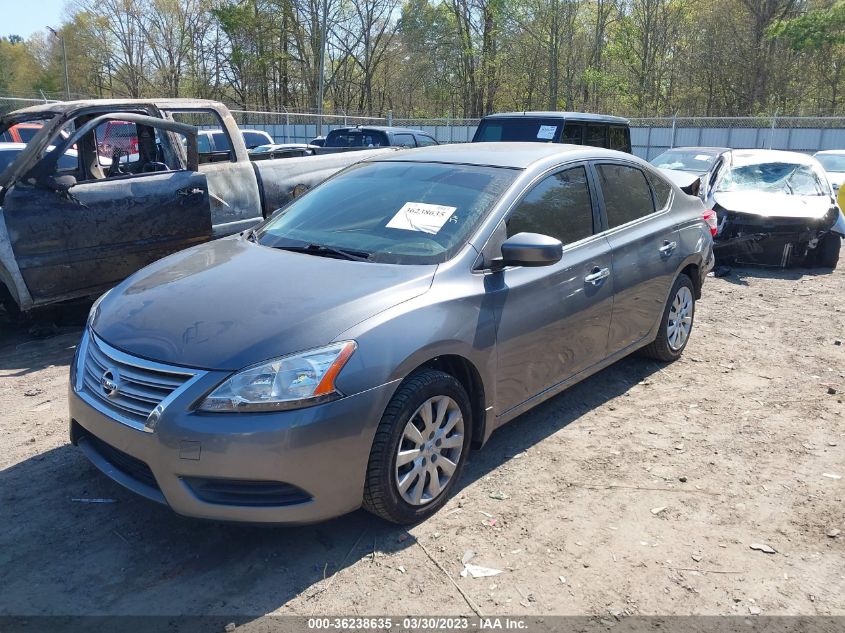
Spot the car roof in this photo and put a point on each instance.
(510, 155)
(713, 150)
(830, 152)
(56, 107)
(755, 156)
(572, 116)
(378, 128)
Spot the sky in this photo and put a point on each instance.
(24, 17)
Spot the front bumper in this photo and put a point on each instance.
(321, 451)
(753, 239)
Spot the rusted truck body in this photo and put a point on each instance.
(68, 233)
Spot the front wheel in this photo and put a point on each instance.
(675, 323)
(827, 250)
(420, 448)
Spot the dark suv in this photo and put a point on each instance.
(347, 139)
(578, 128)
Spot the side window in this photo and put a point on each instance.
(617, 139)
(404, 140)
(423, 140)
(116, 141)
(662, 190)
(558, 206)
(596, 135)
(203, 144)
(5, 137)
(626, 193)
(573, 133)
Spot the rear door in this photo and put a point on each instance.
(114, 220)
(644, 239)
(554, 320)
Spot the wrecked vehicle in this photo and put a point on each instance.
(702, 162)
(73, 228)
(773, 208)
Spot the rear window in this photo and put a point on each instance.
(695, 161)
(26, 133)
(221, 142)
(253, 139)
(357, 138)
(519, 130)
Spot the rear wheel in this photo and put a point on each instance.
(827, 250)
(676, 322)
(420, 448)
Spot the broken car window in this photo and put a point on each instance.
(790, 178)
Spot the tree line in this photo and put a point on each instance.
(437, 58)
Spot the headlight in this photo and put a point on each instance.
(289, 382)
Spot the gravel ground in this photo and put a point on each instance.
(639, 491)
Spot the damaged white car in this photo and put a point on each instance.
(773, 208)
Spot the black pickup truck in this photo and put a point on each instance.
(78, 214)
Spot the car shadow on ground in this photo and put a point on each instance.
(134, 557)
(45, 337)
(740, 273)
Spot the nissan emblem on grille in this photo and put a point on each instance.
(110, 382)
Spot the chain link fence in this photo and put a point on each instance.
(649, 136)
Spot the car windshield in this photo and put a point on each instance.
(832, 162)
(698, 162)
(518, 130)
(392, 212)
(790, 178)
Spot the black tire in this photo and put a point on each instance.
(827, 250)
(660, 348)
(381, 491)
(8, 302)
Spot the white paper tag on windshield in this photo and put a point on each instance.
(420, 216)
(547, 132)
(702, 157)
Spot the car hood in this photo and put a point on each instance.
(232, 303)
(774, 205)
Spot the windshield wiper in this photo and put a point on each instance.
(323, 250)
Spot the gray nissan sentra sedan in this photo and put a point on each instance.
(354, 347)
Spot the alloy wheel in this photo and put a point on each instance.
(430, 450)
(679, 323)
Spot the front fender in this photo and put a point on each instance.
(839, 226)
(394, 343)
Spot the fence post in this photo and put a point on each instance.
(390, 118)
(674, 124)
(451, 128)
(772, 133)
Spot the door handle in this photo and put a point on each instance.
(597, 275)
(190, 191)
(668, 247)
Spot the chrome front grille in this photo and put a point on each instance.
(124, 387)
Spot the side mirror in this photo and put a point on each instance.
(61, 184)
(529, 249)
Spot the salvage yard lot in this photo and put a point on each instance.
(638, 491)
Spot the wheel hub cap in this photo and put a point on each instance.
(679, 323)
(430, 450)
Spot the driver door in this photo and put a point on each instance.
(77, 232)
